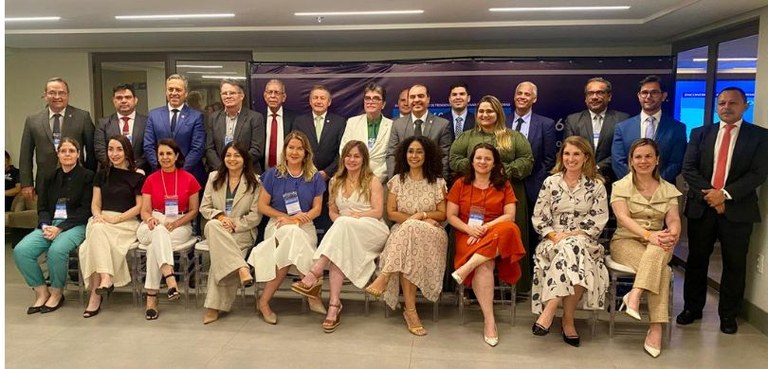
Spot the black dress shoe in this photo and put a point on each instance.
(47, 309)
(687, 317)
(728, 325)
(574, 341)
(539, 330)
(34, 309)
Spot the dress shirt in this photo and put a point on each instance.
(734, 136)
(644, 123)
(280, 135)
(51, 113)
(319, 121)
(423, 119)
(231, 122)
(463, 117)
(131, 120)
(596, 132)
(526, 126)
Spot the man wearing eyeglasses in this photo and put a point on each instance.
(668, 133)
(43, 132)
(373, 128)
(234, 123)
(597, 124)
(279, 122)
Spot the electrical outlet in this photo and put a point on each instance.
(760, 262)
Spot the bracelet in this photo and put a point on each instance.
(647, 235)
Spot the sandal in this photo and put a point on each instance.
(151, 314)
(373, 291)
(173, 292)
(329, 326)
(413, 322)
(245, 282)
(313, 291)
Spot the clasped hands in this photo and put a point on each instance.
(298, 219)
(664, 239)
(423, 217)
(152, 222)
(50, 232)
(475, 232)
(559, 236)
(111, 219)
(715, 198)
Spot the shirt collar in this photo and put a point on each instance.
(737, 124)
(279, 112)
(131, 116)
(376, 120)
(170, 108)
(63, 112)
(462, 115)
(423, 117)
(526, 117)
(314, 116)
(656, 116)
(593, 114)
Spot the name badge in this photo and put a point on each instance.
(171, 206)
(61, 209)
(228, 207)
(371, 142)
(129, 137)
(292, 202)
(228, 139)
(476, 216)
(595, 138)
(56, 140)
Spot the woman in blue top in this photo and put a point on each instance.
(291, 196)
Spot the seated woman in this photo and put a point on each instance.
(643, 203)
(63, 209)
(569, 214)
(291, 196)
(169, 204)
(112, 229)
(481, 208)
(414, 255)
(357, 235)
(230, 203)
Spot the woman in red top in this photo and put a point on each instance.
(169, 204)
(481, 208)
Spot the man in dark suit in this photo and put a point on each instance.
(183, 124)
(403, 106)
(125, 121)
(420, 122)
(540, 132)
(724, 165)
(460, 118)
(324, 130)
(668, 133)
(234, 123)
(279, 122)
(597, 124)
(44, 130)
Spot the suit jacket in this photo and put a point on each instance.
(357, 129)
(542, 137)
(747, 171)
(112, 126)
(670, 136)
(466, 125)
(327, 150)
(245, 212)
(434, 127)
(249, 133)
(37, 141)
(189, 135)
(580, 124)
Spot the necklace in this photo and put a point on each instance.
(296, 176)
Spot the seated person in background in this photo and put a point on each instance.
(12, 184)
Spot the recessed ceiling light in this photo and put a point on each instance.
(199, 66)
(173, 16)
(560, 8)
(32, 19)
(218, 76)
(704, 60)
(199, 72)
(374, 12)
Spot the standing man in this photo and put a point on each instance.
(177, 121)
(403, 107)
(44, 130)
(324, 130)
(234, 123)
(668, 133)
(125, 121)
(372, 128)
(724, 166)
(279, 122)
(597, 124)
(540, 132)
(420, 123)
(460, 118)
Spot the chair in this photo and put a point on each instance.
(73, 269)
(501, 288)
(619, 275)
(202, 265)
(140, 270)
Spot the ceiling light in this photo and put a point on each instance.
(173, 16)
(218, 76)
(560, 8)
(374, 12)
(219, 72)
(199, 66)
(31, 19)
(704, 60)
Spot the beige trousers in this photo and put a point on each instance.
(653, 274)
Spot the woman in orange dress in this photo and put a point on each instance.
(481, 208)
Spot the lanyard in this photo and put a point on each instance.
(176, 188)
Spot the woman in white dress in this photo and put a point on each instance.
(357, 235)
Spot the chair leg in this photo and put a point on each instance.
(461, 302)
(514, 305)
(612, 304)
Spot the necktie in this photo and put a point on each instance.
(126, 129)
(318, 127)
(56, 124)
(458, 126)
(417, 129)
(650, 129)
(173, 120)
(597, 126)
(272, 159)
(722, 157)
(519, 125)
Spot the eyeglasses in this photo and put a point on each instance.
(56, 93)
(372, 99)
(654, 93)
(270, 93)
(597, 93)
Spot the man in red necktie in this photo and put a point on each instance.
(279, 121)
(724, 165)
(125, 121)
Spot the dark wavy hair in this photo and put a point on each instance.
(176, 150)
(433, 165)
(498, 180)
(251, 181)
(127, 151)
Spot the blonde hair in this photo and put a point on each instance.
(589, 168)
(342, 174)
(307, 165)
(503, 135)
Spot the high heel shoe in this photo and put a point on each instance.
(268, 318)
(630, 311)
(211, 315)
(309, 291)
(247, 281)
(45, 309)
(92, 313)
(574, 341)
(492, 341)
(653, 351)
(173, 292)
(151, 314)
(413, 322)
(539, 330)
(101, 291)
(373, 291)
(329, 326)
(456, 277)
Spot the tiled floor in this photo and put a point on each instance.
(119, 337)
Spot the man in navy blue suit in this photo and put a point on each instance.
(460, 118)
(668, 133)
(183, 124)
